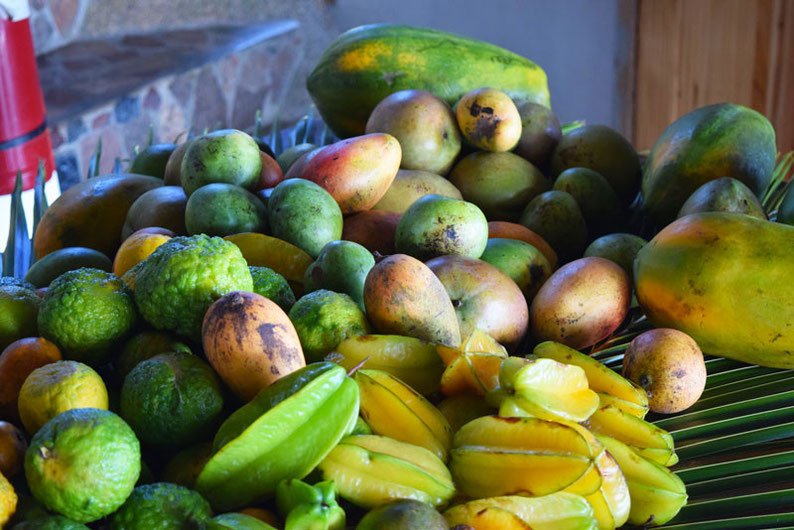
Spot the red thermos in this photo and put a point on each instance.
(24, 138)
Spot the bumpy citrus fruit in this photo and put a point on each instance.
(146, 345)
(172, 399)
(17, 361)
(53, 522)
(19, 307)
(323, 319)
(162, 505)
(85, 311)
(273, 286)
(178, 282)
(83, 464)
(135, 249)
(58, 387)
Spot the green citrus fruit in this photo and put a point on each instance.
(54, 522)
(180, 280)
(273, 286)
(16, 282)
(162, 505)
(86, 311)
(146, 345)
(58, 387)
(173, 399)
(83, 464)
(19, 308)
(323, 319)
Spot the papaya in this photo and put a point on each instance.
(91, 214)
(722, 140)
(366, 64)
(724, 279)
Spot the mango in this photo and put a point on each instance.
(619, 248)
(163, 207)
(221, 209)
(304, 214)
(724, 194)
(410, 185)
(540, 132)
(523, 263)
(373, 229)
(505, 229)
(342, 266)
(423, 124)
(357, 171)
(488, 119)
(500, 184)
(557, 218)
(403, 296)
(435, 226)
(582, 303)
(597, 200)
(226, 155)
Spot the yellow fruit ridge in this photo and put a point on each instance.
(57, 387)
(494, 456)
(557, 511)
(649, 440)
(285, 258)
(409, 359)
(370, 470)
(392, 408)
(657, 494)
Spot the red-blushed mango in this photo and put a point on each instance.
(404, 297)
(250, 341)
(296, 168)
(583, 302)
(357, 171)
(374, 230)
(484, 298)
(271, 173)
(507, 230)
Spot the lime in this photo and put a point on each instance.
(19, 307)
(180, 280)
(58, 387)
(323, 319)
(222, 209)
(85, 311)
(172, 399)
(83, 464)
(146, 345)
(162, 505)
(54, 522)
(273, 286)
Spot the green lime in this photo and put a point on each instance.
(146, 345)
(152, 159)
(323, 319)
(172, 399)
(180, 280)
(86, 311)
(164, 506)
(19, 308)
(273, 286)
(221, 209)
(54, 522)
(83, 464)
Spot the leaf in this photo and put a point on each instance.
(39, 203)
(16, 256)
(93, 163)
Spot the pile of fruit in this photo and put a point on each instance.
(392, 330)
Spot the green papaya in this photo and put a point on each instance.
(725, 280)
(722, 140)
(366, 64)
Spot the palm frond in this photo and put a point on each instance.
(779, 184)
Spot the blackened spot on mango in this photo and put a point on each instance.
(267, 332)
(679, 374)
(475, 109)
(535, 272)
(487, 110)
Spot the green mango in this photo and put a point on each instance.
(618, 248)
(724, 194)
(283, 433)
(526, 265)
(304, 214)
(597, 200)
(342, 266)
(227, 155)
(556, 217)
(152, 160)
(223, 209)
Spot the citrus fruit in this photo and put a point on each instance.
(222, 209)
(83, 464)
(17, 361)
(54, 522)
(273, 286)
(15, 282)
(172, 399)
(226, 155)
(135, 249)
(19, 307)
(162, 505)
(85, 311)
(58, 387)
(146, 345)
(8, 500)
(12, 449)
(323, 319)
(180, 280)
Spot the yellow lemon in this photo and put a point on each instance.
(135, 249)
(58, 387)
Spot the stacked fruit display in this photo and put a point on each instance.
(392, 330)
